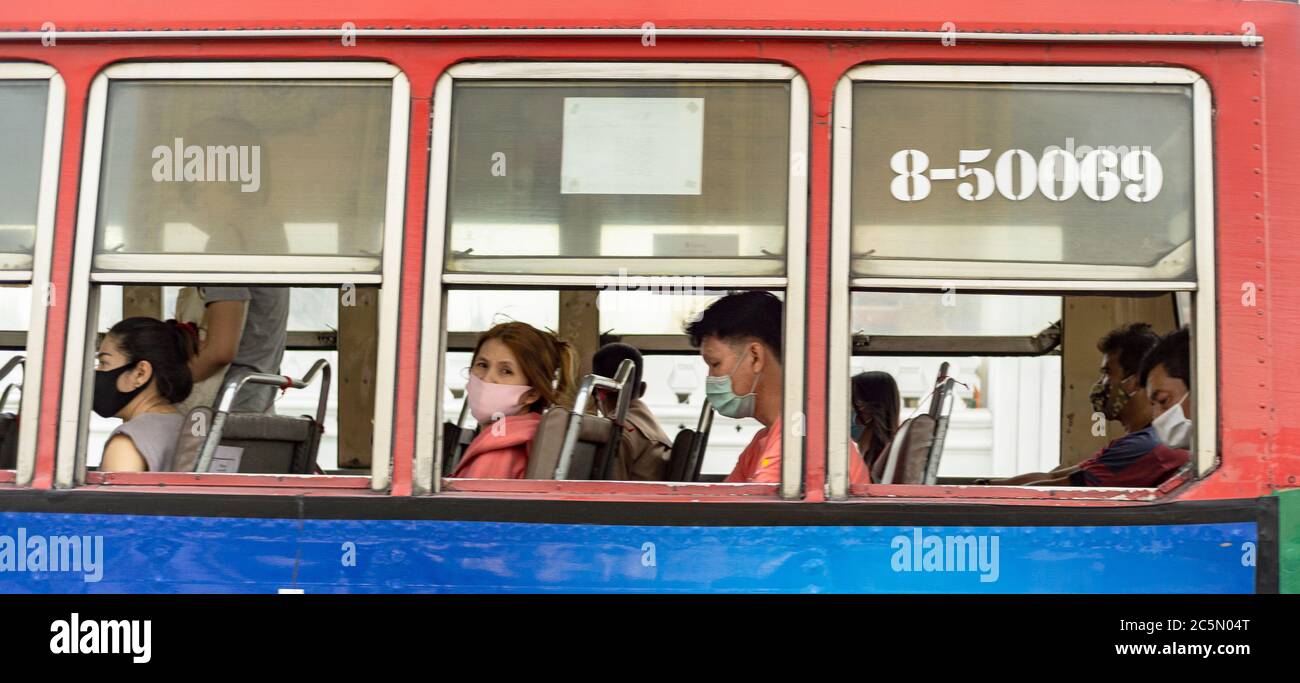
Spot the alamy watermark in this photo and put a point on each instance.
(922, 552)
(214, 163)
(23, 552)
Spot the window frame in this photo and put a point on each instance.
(70, 467)
(1022, 279)
(38, 278)
(437, 282)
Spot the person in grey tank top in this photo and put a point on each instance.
(141, 371)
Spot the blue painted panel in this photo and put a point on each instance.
(156, 554)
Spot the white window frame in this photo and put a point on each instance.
(42, 251)
(428, 453)
(228, 269)
(1021, 277)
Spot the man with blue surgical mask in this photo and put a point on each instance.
(739, 337)
(1164, 373)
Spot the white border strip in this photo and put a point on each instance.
(821, 34)
(1204, 326)
(70, 466)
(837, 401)
(795, 344)
(340, 266)
(518, 280)
(42, 254)
(433, 339)
(622, 70)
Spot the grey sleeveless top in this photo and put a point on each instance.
(154, 435)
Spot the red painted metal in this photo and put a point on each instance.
(1256, 144)
(8, 476)
(288, 481)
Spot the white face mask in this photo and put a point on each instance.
(1173, 427)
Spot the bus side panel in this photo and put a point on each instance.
(115, 553)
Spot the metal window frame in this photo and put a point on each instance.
(42, 252)
(843, 283)
(70, 467)
(428, 451)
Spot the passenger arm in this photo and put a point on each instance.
(120, 455)
(225, 323)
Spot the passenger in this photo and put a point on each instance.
(875, 413)
(644, 449)
(1168, 384)
(739, 337)
(141, 373)
(248, 343)
(1130, 460)
(246, 328)
(517, 373)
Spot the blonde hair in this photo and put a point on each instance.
(549, 363)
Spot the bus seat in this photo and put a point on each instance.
(8, 441)
(688, 448)
(595, 444)
(9, 421)
(455, 439)
(914, 453)
(272, 444)
(908, 453)
(544, 454)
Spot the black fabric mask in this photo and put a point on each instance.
(108, 400)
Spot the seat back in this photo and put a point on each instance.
(8, 441)
(190, 440)
(273, 444)
(914, 453)
(688, 448)
(594, 435)
(455, 439)
(905, 460)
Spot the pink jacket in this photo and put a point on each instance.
(500, 451)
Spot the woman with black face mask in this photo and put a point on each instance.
(141, 371)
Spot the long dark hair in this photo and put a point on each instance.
(879, 392)
(168, 346)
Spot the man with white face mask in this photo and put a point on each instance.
(1165, 375)
(739, 337)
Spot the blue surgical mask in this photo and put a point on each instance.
(855, 429)
(725, 401)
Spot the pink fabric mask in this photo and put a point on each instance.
(488, 401)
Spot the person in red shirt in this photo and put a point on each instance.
(517, 373)
(739, 337)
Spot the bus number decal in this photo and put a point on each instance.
(1101, 175)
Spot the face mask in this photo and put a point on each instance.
(1173, 427)
(856, 430)
(1109, 399)
(725, 401)
(488, 401)
(108, 400)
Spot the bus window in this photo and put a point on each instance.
(600, 172)
(313, 334)
(994, 265)
(627, 199)
(261, 205)
(31, 105)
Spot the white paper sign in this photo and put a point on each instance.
(632, 145)
(226, 459)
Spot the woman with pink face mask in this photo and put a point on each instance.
(517, 373)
